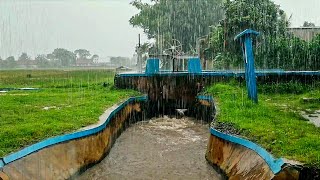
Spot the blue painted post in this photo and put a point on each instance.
(247, 49)
(153, 66)
(194, 65)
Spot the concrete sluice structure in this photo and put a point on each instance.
(67, 156)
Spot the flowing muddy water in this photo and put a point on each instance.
(161, 148)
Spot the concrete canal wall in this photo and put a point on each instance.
(241, 159)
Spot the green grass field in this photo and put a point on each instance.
(274, 123)
(67, 101)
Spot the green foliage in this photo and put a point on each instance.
(314, 53)
(42, 61)
(95, 56)
(82, 53)
(284, 88)
(120, 61)
(289, 53)
(274, 123)
(261, 15)
(64, 57)
(8, 63)
(275, 48)
(282, 53)
(184, 20)
(24, 57)
(308, 24)
(74, 99)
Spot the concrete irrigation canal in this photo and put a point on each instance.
(182, 146)
(167, 135)
(162, 148)
(166, 148)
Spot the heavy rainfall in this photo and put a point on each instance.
(160, 89)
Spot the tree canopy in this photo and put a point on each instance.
(82, 53)
(65, 57)
(308, 24)
(184, 20)
(24, 57)
(261, 15)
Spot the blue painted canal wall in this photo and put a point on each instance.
(63, 156)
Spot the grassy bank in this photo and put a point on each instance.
(66, 101)
(274, 123)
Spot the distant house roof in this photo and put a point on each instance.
(84, 62)
(317, 27)
(305, 33)
(27, 62)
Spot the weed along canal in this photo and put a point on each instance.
(161, 148)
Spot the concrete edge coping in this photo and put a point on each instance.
(67, 137)
(205, 97)
(274, 164)
(1, 163)
(222, 73)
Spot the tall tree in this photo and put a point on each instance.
(10, 58)
(95, 58)
(42, 61)
(308, 24)
(82, 53)
(184, 20)
(64, 57)
(263, 16)
(50, 56)
(24, 57)
(10, 62)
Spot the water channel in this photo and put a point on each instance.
(161, 148)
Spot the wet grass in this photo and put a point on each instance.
(274, 123)
(66, 101)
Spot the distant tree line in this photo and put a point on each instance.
(58, 58)
(120, 61)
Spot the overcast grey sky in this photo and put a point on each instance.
(101, 26)
(36, 26)
(301, 10)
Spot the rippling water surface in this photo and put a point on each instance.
(162, 148)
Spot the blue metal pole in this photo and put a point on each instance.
(250, 75)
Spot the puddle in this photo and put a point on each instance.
(313, 118)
